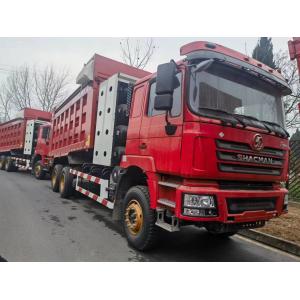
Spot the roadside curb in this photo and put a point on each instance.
(270, 240)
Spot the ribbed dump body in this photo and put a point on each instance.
(74, 121)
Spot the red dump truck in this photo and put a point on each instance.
(24, 142)
(201, 142)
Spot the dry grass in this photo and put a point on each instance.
(286, 226)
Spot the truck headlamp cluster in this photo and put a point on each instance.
(199, 205)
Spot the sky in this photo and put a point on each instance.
(72, 53)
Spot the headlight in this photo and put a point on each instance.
(286, 199)
(199, 205)
(199, 201)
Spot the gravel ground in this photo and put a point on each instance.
(286, 227)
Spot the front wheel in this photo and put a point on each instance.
(38, 171)
(139, 219)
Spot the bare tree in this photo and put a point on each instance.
(136, 53)
(19, 87)
(5, 104)
(290, 72)
(49, 86)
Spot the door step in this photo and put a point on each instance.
(160, 222)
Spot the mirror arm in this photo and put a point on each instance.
(173, 61)
(170, 128)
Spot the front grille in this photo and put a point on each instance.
(246, 148)
(240, 158)
(245, 185)
(240, 205)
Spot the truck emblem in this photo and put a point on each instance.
(257, 143)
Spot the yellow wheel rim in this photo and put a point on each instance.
(53, 179)
(38, 169)
(62, 182)
(134, 217)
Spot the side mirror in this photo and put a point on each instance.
(163, 102)
(166, 80)
(299, 107)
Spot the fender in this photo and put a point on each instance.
(146, 163)
(152, 181)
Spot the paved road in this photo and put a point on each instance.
(37, 225)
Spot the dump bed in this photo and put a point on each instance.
(74, 121)
(12, 133)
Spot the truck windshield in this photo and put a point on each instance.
(222, 88)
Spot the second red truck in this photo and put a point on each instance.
(24, 142)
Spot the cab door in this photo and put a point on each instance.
(154, 141)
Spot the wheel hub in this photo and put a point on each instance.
(53, 179)
(134, 217)
(62, 182)
(38, 170)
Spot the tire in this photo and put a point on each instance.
(66, 183)
(122, 114)
(55, 177)
(117, 154)
(38, 171)
(121, 135)
(2, 162)
(9, 165)
(141, 232)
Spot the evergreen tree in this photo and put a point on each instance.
(263, 52)
(296, 136)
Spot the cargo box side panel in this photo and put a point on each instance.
(73, 126)
(29, 134)
(105, 122)
(12, 135)
(110, 128)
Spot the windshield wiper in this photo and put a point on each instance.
(223, 112)
(266, 124)
(254, 119)
(277, 125)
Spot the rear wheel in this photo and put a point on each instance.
(55, 177)
(66, 183)
(9, 165)
(38, 170)
(2, 162)
(139, 219)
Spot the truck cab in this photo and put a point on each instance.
(208, 135)
(40, 159)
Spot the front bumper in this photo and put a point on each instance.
(221, 197)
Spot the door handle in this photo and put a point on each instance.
(143, 146)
